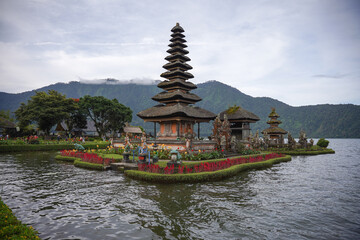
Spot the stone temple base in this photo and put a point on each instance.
(179, 145)
(206, 145)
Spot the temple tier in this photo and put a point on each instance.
(175, 113)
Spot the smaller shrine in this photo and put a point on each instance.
(240, 120)
(274, 132)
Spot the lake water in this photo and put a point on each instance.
(313, 197)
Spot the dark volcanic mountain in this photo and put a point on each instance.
(331, 121)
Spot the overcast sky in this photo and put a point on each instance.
(300, 52)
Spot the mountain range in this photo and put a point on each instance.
(325, 120)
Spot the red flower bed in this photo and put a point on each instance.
(70, 153)
(87, 157)
(207, 166)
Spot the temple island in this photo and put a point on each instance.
(177, 153)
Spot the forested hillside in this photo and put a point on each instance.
(336, 121)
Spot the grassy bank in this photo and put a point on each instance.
(87, 165)
(65, 158)
(203, 176)
(48, 147)
(304, 152)
(11, 227)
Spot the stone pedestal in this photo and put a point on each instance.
(142, 158)
(176, 163)
(175, 159)
(155, 159)
(126, 158)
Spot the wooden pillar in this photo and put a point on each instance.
(198, 130)
(178, 129)
(155, 130)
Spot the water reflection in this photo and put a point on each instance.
(307, 198)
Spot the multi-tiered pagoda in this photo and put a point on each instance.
(175, 113)
(274, 131)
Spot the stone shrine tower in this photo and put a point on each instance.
(175, 113)
(275, 133)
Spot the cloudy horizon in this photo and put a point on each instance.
(298, 52)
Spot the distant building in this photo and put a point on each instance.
(6, 125)
(89, 131)
(132, 129)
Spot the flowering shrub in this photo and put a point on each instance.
(149, 168)
(163, 154)
(207, 166)
(201, 155)
(87, 157)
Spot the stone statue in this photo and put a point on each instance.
(223, 142)
(281, 140)
(311, 143)
(127, 147)
(302, 139)
(127, 143)
(226, 131)
(143, 139)
(216, 135)
(188, 140)
(291, 142)
(250, 138)
(144, 148)
(233, 144)
(266, 141)
(256, 140)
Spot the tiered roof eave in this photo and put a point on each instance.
(176, 96)
(176, 84)
(178, 111)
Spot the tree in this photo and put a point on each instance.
(323, 143)
(118, 116)
(46, 109)
(6, 115)
(108, 115)
(77, 118)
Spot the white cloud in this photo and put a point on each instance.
(263, 48)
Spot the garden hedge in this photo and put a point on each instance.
(305, 152)
(163, 163)
(65, 158)
(82, 164)
(11, 227)
(47, 147)
(203, 176)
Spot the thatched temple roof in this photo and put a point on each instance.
(162, 112)
(176, 95)
(239, 115)
(274, 130)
